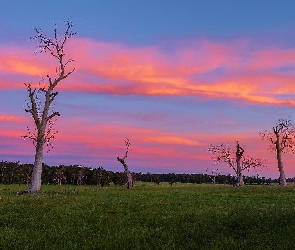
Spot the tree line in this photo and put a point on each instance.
(17, 173)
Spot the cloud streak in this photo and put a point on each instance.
(153, 149)
(12, 118)
(198, 68)
(193, 68)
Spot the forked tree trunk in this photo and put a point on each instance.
(282, 178)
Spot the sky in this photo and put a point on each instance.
(171, 76)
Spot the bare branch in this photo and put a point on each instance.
(235, 159)
(127, 143)
(283, 134)
(222, 153)
(31, 136)
(33, 107)
(55, 47)
(252, 163)
(53, 115)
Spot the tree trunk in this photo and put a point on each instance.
(130, 179)
(129, 175)
(282, 178)
(239, 154)
(37, 170)
(240, 180)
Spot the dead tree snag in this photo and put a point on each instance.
(235, 159)
(213, 175)
(282, 140)
(126, 169)
(41, 108)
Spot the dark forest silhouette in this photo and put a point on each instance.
(16, 173)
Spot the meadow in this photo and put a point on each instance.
(149, 216)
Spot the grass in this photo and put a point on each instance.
(184, 216)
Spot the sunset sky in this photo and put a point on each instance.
(172, 76)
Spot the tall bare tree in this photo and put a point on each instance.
(40, 105)
(282, 140)
(126, 169)
(235, 159)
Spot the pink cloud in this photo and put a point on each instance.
(12, 118)
(249, 76)
(269, 58)
(160, 148)
(150, 71)
(14, 60)
(103, 142)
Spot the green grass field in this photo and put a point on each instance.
(184, 216)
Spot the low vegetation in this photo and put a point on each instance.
(149, 216)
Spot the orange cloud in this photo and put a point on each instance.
(187, 69)
(14, 60)
(170, 140)
(12, 118)
(150, 71)
(114, 134)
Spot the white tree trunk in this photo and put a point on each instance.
(129, 175)
(130, 179)
(282, 178)
(37, 170)
(240, 180)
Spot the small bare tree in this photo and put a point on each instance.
(41, 108)
(282, 140)
(235, 159)
(213, 175)
(126, 169)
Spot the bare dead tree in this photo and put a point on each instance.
(235, 159)
(213, 175)
(41, 109)
(126, 169)
(282, 139)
